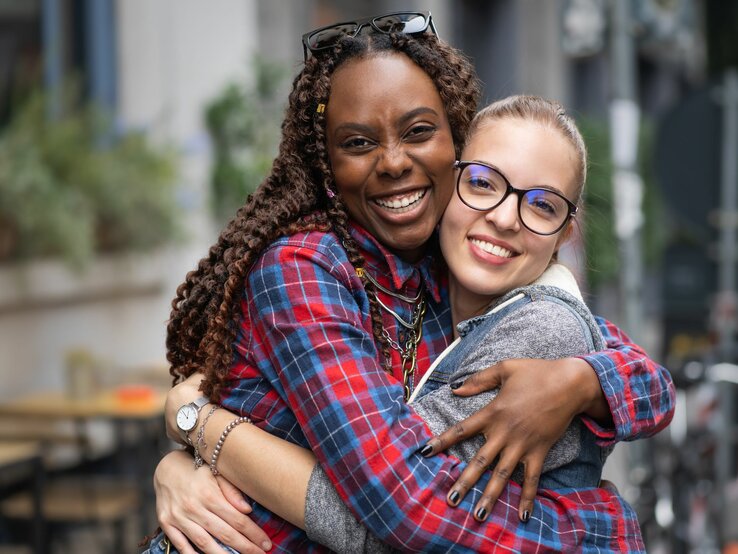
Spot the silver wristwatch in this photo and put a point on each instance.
(187, 417)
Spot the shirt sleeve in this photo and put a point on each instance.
(366, 438)
(639, 391)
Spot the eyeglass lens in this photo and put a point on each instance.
(482, 188)
(408, 23)
(328, 37)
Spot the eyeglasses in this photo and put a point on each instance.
(483, 188)
(409, 23)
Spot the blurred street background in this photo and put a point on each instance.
(132, 130)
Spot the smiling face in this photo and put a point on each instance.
(390, 147)
(491, 253)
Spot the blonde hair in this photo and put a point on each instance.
(544, 111)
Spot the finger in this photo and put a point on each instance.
(472, 473)
(485, 380)
(191, 539)
(205, 542)
(233, 495)
(481, 381)
(533, 469)
(256, 535)
(178, 540)
(464, 429)
(499, 478)
(235, 529)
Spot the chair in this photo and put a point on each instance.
(74, 501)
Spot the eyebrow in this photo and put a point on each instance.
(361, 128)
(550, 188)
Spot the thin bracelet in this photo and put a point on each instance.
(221, 440)
(200, 442)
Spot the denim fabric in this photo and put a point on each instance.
(158, 545)
(582, 458)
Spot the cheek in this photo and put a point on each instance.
(446, 190)
(542, 252)
(452, 226)
(348, 176)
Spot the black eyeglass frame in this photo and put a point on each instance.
(460, 165)
(360, 24)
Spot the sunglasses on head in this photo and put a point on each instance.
(409, 23)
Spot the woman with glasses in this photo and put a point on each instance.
(509, 297)
(322, 304)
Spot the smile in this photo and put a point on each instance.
(401, 203)
(492, 248)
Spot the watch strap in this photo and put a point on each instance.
(198, 403)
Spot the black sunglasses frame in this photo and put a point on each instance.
(460, 165)
(360, 24)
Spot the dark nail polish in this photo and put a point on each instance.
(481, 513)
(427, 450)
(526, 515)
(456, 385)
(454, 498)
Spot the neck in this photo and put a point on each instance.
(465, 304)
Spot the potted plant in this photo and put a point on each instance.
(70, 187)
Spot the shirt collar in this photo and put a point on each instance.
(401, 273)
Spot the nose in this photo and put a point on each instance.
(505, 216)
(394, 162)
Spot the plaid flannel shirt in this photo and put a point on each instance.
(307, 369)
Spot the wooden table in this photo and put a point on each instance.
(107, 404)
(122, 406)
(27, 454)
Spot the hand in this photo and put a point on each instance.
(195, 508)
(537, 401)
(179, 395)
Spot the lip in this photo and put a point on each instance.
(490, 257)
(418, 198)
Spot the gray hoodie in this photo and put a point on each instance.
(547, 320)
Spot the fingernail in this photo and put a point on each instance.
(456, 385)
(454, 497)
(426, 450)
(526, 515)
(481, 513)
(266, 545)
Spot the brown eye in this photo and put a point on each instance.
(420, 132)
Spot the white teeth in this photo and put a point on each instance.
(492, 249)
(401, 203)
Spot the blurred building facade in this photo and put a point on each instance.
(154, 65)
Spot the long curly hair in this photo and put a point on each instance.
(206, 309)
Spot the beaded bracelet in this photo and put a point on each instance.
(221, 440)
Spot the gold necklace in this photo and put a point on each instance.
(409, 337)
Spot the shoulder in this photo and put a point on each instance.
(554, 321)
(304, 256)
(541, 325)
(312, 246)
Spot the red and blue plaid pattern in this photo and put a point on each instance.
(307, 369)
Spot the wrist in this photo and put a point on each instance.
(217, 422)
(592, 400)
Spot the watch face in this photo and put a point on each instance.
(187, 417)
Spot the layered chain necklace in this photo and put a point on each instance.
(410, 332)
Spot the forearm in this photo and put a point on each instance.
(270, 470)
(585, 383)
